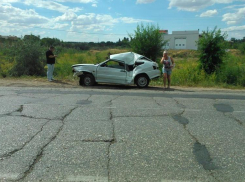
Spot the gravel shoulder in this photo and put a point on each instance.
(37, 82)
(43, 83)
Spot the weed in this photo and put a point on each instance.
(185, 73)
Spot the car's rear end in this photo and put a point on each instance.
(144, 71)
(148, 67)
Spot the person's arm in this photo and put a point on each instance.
(49, 54)
(52, 56)
(172, 60)
(162, 61)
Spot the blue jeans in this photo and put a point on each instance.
(50, 71)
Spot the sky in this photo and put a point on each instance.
(111, 20)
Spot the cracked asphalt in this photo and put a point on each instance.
(121, 135)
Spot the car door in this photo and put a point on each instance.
(111, 71)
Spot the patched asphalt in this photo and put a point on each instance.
(102, 135)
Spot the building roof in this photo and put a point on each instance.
(163, 31)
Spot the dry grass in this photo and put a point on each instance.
(186, 72)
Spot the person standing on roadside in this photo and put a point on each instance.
(168, 64)
(50, 62)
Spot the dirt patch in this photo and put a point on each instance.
(38, 82)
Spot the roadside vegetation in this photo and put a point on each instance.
(147, 41)
(193, 68)
(187, 72)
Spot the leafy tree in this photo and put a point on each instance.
(212, 48)
(109, 44)
(147, 41)
(119, 42)
(31, 37)
(27, 54)
(50, 42)
(242, 47)
(125, 42)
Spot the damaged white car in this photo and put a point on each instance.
(125, 68)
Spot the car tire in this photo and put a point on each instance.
(142, 81)
(87, 80)
(81, 80)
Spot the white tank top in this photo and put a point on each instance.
(167, 63)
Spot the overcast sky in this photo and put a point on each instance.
(109, 20)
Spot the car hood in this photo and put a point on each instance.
(77, 65)
(84, 67)
(128, 57)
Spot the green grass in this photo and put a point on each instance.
(186, 72)
(5, 66)
(66, 59)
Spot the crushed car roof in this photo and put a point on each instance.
(127, 57)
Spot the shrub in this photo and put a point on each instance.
(232, 71)
(147, 41)
(28, 57)
(242, 47)
(212, 48)
(5, 67)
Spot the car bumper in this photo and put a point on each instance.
(154, 74)
(77, 74)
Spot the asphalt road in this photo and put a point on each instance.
(121, 135)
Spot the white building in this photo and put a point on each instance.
(181, 39)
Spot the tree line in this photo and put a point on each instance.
(46, 42)
(126, 42)
(237, 44)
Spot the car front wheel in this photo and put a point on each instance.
(142, 81)
(87, 80)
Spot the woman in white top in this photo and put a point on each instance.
(168, 64)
